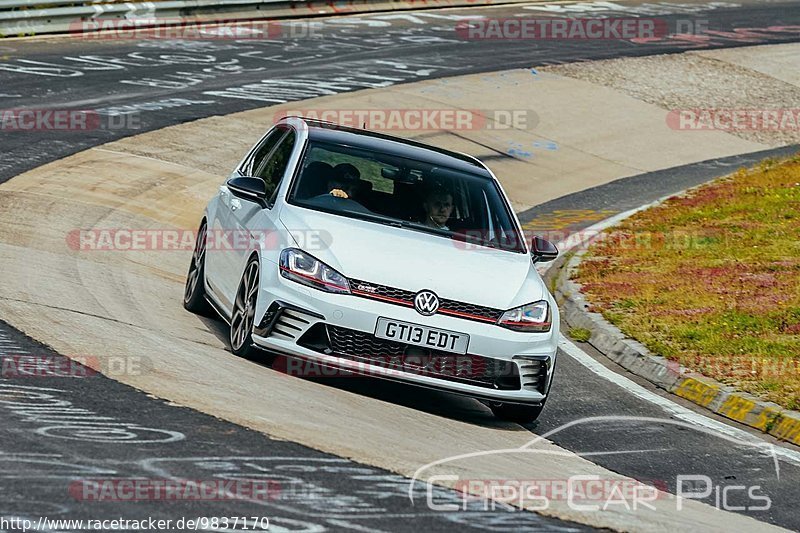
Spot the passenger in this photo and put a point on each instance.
(438, 205)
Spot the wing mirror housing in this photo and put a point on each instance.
(542, 250)
(249, 188)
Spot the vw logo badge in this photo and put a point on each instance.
(426, 302)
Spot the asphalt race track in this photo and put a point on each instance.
(304, 490)
(159, 83)
(147, 85)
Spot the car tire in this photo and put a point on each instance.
(521, 414)
(194, 294)
(244, 311)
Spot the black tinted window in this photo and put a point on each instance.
(263, 151)
(272, 167)
(395, 190)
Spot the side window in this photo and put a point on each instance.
(272, 167)
(263, 151)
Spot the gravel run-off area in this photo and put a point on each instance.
(694, 81)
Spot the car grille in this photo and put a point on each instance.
(374, 291)
(470, 369)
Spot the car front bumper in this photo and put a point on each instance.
(500, 366)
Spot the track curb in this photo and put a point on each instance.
(630, 354)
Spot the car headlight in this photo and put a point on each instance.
(301, 267)
(534, 318)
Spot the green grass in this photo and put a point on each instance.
(580, 334)
(712, 279)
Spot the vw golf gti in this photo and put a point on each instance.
(380, 256)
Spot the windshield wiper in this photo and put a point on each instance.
(392, 222)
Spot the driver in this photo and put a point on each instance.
(344, 181)
(438, 205)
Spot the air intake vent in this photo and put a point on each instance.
(284, 320)
(533, 371)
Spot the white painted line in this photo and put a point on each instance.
(678, 411)
(344, 524)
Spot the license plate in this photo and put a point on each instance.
(435, 339)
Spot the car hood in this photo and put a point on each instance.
(413, 260)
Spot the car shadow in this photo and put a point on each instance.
(446, 405)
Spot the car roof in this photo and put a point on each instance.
(330, 132)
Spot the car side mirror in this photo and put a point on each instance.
(543, 250)
(248, 188)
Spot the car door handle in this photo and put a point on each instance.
(235, 204)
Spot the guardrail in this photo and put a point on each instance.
(21, 18)
(33, 17)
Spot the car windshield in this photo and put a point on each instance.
(398, 191)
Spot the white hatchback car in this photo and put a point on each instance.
(380, 256)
